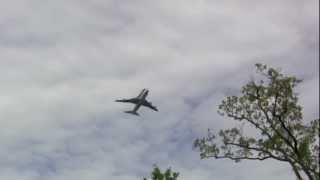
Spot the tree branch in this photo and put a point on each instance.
(269, 120)
(258, 150)
(240, 158)
(283, 124)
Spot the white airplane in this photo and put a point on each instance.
(140, 100)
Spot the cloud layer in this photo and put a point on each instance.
(63, 63)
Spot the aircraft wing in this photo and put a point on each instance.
(136, 107)
(141, 94)
(145, 94)
(149, 105)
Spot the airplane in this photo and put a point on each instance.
(140, 100)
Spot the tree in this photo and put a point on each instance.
(271, 107)
(167, 175)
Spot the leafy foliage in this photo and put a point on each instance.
(167, 175)
(271, 107)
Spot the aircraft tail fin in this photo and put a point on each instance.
(132, 112)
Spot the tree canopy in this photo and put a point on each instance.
(167, 175)
(271, 107)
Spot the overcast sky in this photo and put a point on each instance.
(64, 62)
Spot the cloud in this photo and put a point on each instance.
(62, 65)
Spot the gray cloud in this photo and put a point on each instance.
(62, 64)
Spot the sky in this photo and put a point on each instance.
(63, 63)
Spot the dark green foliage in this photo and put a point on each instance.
(167, 175)
(271, 107)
